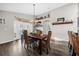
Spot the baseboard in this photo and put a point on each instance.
(8, 41)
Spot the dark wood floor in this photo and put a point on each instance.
(15, 48)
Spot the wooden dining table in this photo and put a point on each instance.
(40, 38)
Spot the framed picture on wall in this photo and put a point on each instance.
(2, 21)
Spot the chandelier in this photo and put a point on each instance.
(34, 20)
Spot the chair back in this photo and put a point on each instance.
(25, 34)
(70, 37)
(48, 38)
(39, 32)
(75, 43)
(49, 35)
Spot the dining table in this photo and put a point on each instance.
(40, 38)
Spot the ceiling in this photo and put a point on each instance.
(27, 8)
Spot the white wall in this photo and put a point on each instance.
(70, 13)
(78, 18)
(7, 29)
(59, 31)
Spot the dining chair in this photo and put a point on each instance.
(46, 42)
(27, 41)
(39, 32)
(70, 43)
(75, 43)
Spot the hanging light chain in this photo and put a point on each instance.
(34, 10)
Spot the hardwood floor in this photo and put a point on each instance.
(15, 48)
